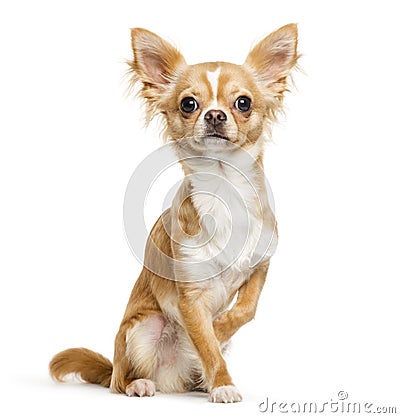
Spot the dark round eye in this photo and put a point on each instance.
(243, 104)
(189, 105)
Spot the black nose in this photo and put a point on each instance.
(215, 117)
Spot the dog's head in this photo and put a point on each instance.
(214, 102)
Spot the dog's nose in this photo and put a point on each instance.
(215, 117)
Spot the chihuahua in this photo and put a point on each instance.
(207, 256)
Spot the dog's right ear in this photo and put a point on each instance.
(156, 64)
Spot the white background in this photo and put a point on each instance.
(328, 319)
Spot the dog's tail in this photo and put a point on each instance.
(90, 366)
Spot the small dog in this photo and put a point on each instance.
(216, 240)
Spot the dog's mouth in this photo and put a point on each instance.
(212, 140)
(217, 136)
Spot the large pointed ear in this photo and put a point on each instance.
(274, 57)
(156, 64)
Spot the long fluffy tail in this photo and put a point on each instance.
(92, 367)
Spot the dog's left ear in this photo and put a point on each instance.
(274, 57)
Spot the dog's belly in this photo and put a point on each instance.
(160, 350)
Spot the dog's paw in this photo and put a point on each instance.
(225, 394)
(141, 387)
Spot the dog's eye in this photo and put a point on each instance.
(243, 104)
(189, 105)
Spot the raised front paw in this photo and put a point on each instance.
(222, 327)
(225, 394)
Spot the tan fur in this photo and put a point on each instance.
(174, 330)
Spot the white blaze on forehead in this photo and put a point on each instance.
(213, 77)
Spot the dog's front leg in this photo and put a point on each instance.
(198, 323)
(245, 307)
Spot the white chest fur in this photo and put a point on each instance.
(227, 206)
(231, 207)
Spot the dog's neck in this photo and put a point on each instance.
(223, 160)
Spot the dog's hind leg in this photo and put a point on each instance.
(121, 365)
(136, 355)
